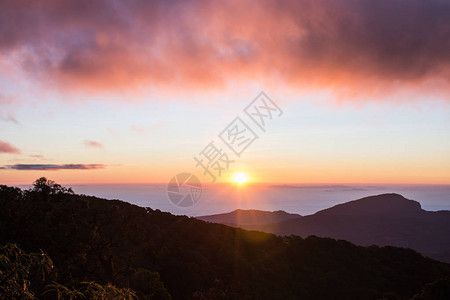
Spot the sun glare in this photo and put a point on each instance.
(240, 178)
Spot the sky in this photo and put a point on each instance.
(132, 91)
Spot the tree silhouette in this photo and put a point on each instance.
(45, 186)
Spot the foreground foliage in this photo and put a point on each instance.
(26, 275)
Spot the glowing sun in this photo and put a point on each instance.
(240, 178)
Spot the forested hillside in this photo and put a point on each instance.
(159, 255)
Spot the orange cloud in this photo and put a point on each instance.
(352, 47)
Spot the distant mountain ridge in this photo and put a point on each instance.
(383, 204)
(250, 217)
(386, 219)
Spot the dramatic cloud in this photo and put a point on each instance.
(53, 167)
(93, 144)
(346, 45)
(8, 148)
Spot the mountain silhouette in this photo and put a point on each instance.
(250, 217)
(387, 219)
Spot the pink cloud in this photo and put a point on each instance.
(8, 148)
(93, 144)
(352, 47)
(9, 118)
